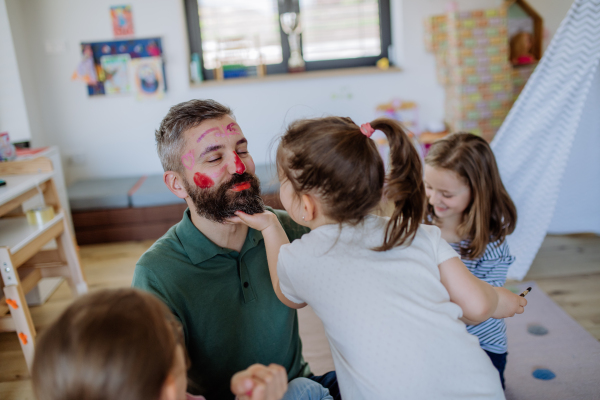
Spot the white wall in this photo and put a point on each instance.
(114, 136)
(13, 112)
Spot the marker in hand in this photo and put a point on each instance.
(525, 292)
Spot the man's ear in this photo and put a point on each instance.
(309, 208)
(174, 182)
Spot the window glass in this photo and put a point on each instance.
(239, 32)
(338, 29)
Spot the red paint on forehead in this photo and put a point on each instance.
(240, 168)
(203, 181)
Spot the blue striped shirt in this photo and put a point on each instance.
(491, 268)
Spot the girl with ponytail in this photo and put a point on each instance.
(390, 291)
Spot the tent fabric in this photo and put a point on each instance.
(533, 144)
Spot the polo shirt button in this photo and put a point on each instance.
(246, 284)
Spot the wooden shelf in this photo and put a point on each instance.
(16, 185)
(24, 240)
(19, 188)
(16, 233)
(21, 244)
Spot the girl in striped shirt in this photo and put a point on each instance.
(468, 202)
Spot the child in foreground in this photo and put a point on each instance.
(126, 344)
(388, 290)
(468, 202)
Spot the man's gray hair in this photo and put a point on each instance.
(180, 118)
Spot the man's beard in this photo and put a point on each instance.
(220, 203)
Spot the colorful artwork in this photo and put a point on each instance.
(86, 70)
(148, 78)
(116, 73)
(188, 160)
(91, 71)
(122, 20)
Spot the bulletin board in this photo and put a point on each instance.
(133, 66)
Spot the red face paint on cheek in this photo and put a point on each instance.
(240, 168)
(203, 181)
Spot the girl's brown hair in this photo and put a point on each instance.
(491, 215)
(112, 344)
(331, 157)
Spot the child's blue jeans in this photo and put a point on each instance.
(305, 389)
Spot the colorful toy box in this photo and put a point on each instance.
(472, 51)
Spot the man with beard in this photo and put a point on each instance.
(211, 272)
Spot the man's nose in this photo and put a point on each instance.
(238, 166)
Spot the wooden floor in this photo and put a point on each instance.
(567, 268)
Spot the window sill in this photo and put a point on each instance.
(328, 73)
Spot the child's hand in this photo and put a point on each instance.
(260, 382)
(260, 222)
(509, 303)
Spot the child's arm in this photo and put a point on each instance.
(275, 237)
(478, 300)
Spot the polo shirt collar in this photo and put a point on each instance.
(199, 248)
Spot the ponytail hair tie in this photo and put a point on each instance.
(367, 130)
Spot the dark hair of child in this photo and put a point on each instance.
(332, 158)
(491, 215)
(111, 344)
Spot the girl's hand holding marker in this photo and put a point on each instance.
(509, 304)
(525, 292)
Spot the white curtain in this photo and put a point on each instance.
(534, 144)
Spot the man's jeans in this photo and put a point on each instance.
(306, 389)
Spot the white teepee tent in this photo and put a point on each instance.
(534, 145)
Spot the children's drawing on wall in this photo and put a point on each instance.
(116, 73)
(122, 20)
(86, 70)
(148, 78)
(123, 66)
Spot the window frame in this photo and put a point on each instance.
(385, 34)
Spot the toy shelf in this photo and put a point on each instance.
(19, 188)
(17, 235)
(25, 257)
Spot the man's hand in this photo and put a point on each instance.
(260, 382)
(509, 303)
(260, 222)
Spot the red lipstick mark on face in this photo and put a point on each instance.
(241, 186)
(203, 181)
(240, 168)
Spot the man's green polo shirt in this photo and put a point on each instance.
(225, 301)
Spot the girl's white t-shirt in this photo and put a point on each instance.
(393, 332)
